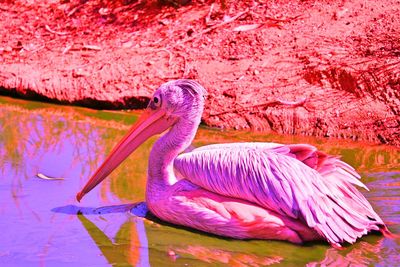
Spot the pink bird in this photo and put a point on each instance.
(241, 190)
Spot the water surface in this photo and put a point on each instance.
(42, 224)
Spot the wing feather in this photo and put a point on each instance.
(296, 180)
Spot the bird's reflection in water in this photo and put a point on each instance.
(133, 238)
(360, 254)
(129, 245)
(230, 258)
(121, 242)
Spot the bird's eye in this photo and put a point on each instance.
(156, 102)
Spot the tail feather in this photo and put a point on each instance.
(356, 213)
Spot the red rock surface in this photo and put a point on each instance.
(343, 57)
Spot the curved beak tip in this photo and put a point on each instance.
(79, 196)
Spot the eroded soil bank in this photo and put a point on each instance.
(339, 59)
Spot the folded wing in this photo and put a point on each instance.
(294, 180)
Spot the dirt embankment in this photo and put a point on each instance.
(339, 59)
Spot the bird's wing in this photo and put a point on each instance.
(280, 178)
(325, 164)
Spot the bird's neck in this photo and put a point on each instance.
(163, 153)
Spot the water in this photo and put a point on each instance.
(42, 224)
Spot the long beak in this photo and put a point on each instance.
(149, 124)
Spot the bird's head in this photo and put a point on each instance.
(179, 99)
(173, 102)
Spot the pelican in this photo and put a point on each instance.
(241, 190)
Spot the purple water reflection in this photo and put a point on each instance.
(42, 224)
(54, 146)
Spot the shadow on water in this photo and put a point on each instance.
(69, 143)
(138, 209)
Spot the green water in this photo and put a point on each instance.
(41, 223)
